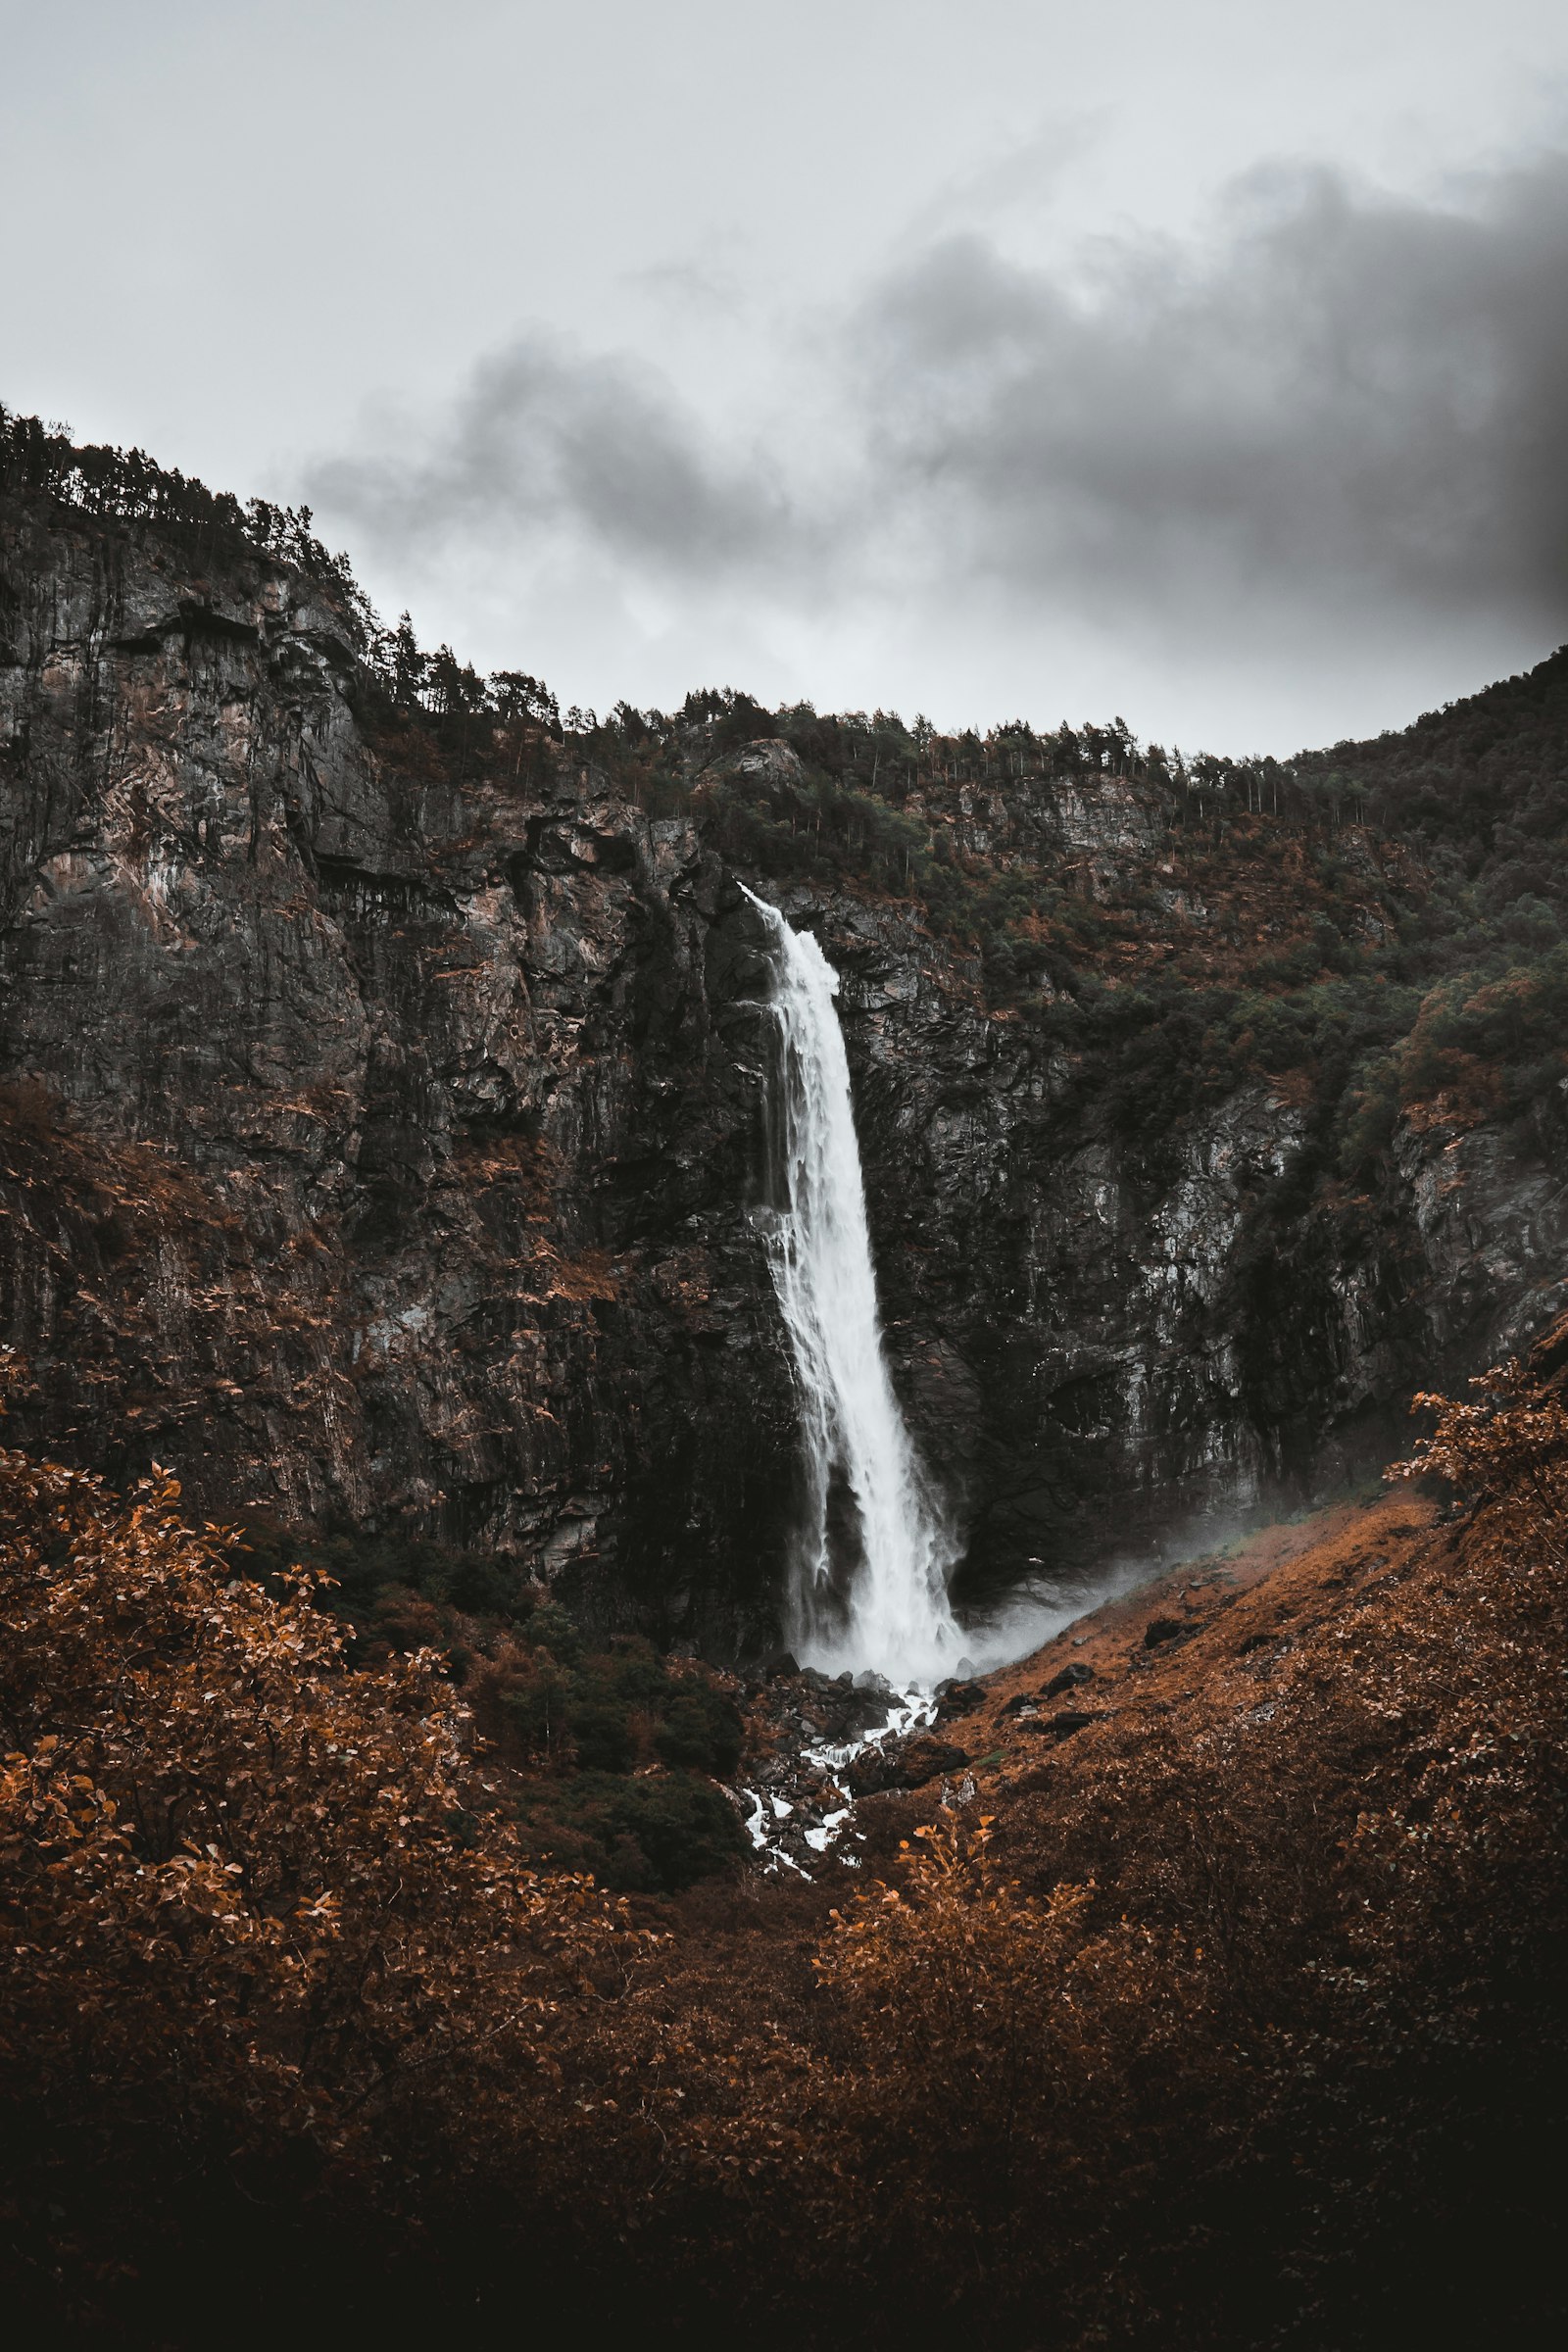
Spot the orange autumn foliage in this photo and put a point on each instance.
(1506, 1453)
(247, 1901)
(1220, 2031)
(1212, 2030)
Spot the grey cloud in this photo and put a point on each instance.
(1024, 178)
(1339, 423)
(1347, 397)
(547, 442)
(683, 286)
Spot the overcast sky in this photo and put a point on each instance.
(1202, 360)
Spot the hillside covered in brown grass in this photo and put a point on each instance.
(1216, 2001)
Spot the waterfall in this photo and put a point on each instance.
(875, 1549)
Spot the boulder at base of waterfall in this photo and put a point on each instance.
(1162, 1629)
(1068, 1721)
(907, 1767)
(869, 1775)
(954, 1698)
(927, 1760)
(1067, 1679)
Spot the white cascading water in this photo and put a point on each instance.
(874, 1550)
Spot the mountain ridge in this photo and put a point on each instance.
(383, 1092)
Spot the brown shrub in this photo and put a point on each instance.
(257, 1920)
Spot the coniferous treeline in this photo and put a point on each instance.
(207, 526)
(877, 753)
(127, 485)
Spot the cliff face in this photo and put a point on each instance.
(379, 1139)
(1107, 1340)
(376, 1152)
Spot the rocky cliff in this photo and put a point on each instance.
(1112, 1341)
(382, 1119)
(375, 1147)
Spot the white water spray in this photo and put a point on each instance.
(874, 1550)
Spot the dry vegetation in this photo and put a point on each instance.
(258, 1948)
(1230, 2019)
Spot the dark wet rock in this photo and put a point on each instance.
(383, 1134)
(956, 1699)
(870, 1774)
(1069, 1679)
(1161, 1630)
(926, 1759)
(1070, 1719)
(911, 1765)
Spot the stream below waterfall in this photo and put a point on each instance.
(834, 1740)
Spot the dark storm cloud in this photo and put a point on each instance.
(1343, 411)
(597, 449)
(1347, 397)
